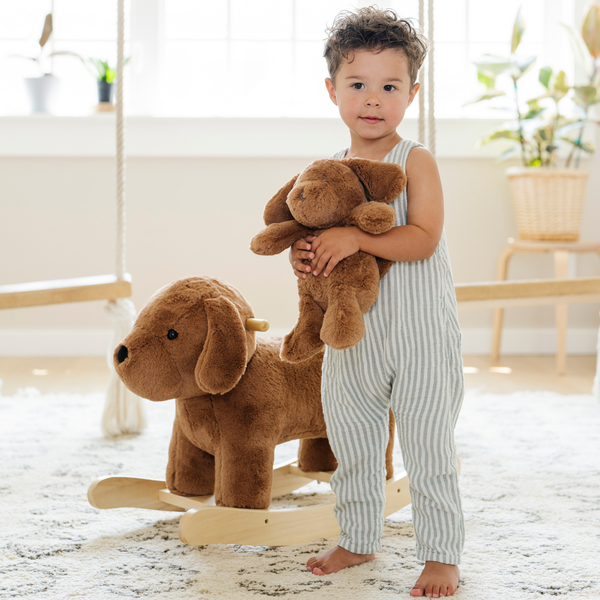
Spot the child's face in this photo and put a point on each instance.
(372, 92)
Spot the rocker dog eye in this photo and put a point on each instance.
(172, 334)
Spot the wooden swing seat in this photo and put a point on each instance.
(60, 291)
(535, 292)
(205, 523)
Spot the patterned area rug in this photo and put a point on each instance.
(530, 483)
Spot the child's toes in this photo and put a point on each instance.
(435, 591)
(416, 592)
(443, 591)
(314, 563)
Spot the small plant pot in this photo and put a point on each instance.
(42, 92)
(548, 202)
(105, 91)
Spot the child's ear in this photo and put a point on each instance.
(331, 90)
(382, 181)
(413, 93)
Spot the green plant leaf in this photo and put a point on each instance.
(518, 30)
(492, 66)
(568, 124)
(560, 83)
(486, 96)
(47, 30)
(585, 94)
(523, 65)
(533, 112)
(582, 55)
(543, 134)
(544, 76)
(98, 66)
(500, 134)
(585, 146)
(110, 75)
(516, 149)
(590, 30)
(489, 82)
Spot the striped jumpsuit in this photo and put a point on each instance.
(409, 359)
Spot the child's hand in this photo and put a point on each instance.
(333, 245)
(301, 250)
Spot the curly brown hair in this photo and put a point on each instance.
(375, 29)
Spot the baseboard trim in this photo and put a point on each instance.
(94, 342)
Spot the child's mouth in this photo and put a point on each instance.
(371, 120)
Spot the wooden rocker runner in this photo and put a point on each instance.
(206, 523)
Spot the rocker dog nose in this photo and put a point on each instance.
(122, 354)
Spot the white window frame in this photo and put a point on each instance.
(150, 136)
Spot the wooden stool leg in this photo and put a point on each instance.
(561, 271)
(501, 275)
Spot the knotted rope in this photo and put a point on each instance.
(123, 410)
(427, 117)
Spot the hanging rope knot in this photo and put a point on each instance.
(120, 310)
(124, 412)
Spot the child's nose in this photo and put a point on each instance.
(373, 101)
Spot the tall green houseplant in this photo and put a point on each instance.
(549, 200)
(540, 123)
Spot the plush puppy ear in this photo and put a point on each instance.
(222, 361)
(277, 210)
(383, 181)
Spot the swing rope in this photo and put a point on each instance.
(427, 116)
(124, 412)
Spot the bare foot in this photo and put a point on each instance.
(437, 580)
(336, 559)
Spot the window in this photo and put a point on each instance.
(235, 58)
(87, 28)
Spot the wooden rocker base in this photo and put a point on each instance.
(205, 523)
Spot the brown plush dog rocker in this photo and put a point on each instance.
(236, 399)
(332, 193)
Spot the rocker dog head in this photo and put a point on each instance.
(189, 339)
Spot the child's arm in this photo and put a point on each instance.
(417, 240)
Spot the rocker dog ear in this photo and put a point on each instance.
(382, 181)
(276, 210)
(222, 361)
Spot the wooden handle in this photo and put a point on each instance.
(257, 325)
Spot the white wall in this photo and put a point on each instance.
(196, 216)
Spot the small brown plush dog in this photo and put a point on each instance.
(332, 193)
(236, 399)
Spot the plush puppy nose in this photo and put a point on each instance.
(122, 354)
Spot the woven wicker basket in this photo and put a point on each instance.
(548, 202)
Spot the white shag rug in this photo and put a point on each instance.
(530, 483)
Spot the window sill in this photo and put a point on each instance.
(94, 136)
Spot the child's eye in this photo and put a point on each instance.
(389, 87)
(358, 86)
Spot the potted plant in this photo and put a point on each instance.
(42, 90)
(105, 77)
(548, 200)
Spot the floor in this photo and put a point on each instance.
(513, 373)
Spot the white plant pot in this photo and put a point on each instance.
(42, 92)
